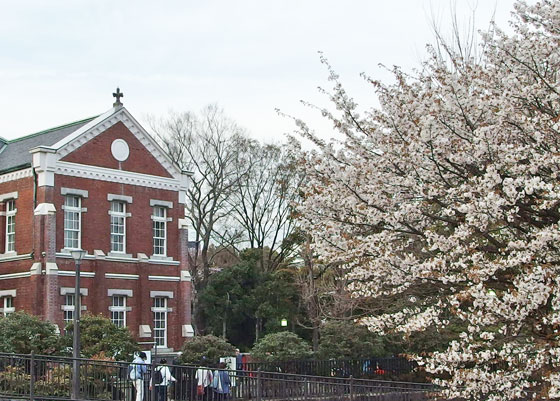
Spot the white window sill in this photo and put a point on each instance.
(119, 255)
(9, 256)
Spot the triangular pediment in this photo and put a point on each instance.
(115, 140)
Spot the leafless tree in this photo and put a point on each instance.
(207, 144)
(262, 202)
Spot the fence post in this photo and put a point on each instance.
(351, 388)
(32, 376)
(259, 385)
(305, 388)
(153, 384)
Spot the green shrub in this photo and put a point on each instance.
(205, 350)
(100, 336)
(282, 346)
(347, 340)
(23, 333)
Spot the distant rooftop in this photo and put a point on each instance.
(14, 154)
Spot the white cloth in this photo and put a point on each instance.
(203, 377)
(139, 387)
(166, 376)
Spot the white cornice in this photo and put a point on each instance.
(16, 175)
(122, 276)
(72, 273)
(120, 176)
(11, 257)
(164, 278)
(14, 275)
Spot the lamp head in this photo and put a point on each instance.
(77, 254)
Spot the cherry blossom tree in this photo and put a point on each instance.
(447, 198)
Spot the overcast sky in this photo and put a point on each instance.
(61, 60)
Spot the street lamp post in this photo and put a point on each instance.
(77, 255)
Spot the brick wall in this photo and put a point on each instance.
(96, 221)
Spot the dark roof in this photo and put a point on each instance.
(14, 154)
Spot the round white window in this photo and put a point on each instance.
(120, 150)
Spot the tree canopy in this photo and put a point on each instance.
(23, 333)
(241, 301)
(99, 336)
(446, 198)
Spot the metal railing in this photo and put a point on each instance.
(34, 377)
(367, 368)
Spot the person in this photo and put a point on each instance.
(137, 373)
(238, 360)
(221, 382)
(203, 380)
(166, 379)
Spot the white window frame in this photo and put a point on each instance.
(118, 311)
(69, 307)
(160, 312)
(159, 224)
(72, 209)
(10, 245)
(8, 305)
(118, 218)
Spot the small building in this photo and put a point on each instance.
(102, 185)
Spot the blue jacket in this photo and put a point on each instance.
(140, 367)
(221, 382)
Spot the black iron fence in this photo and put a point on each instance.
(35, 378)
(368, 368)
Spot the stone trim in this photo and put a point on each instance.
(119, 176)
(167, 294)
(122, 198)
(168, 310)
(187, 330)
(164, 278)
(122, 276)
(119, 255)
(119, 291)
(157, 202)
(144, 330)
(73, 191)
(11, 256)
(70, 290)
(159, 259)
(8, 293)
(186, 275)
(10, 276)
(120, 309)
(16, 175)
(72, 273)
(8, 196)
(44, 209)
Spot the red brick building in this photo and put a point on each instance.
(105, 186)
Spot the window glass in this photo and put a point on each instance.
(72, 222)
(159, 228)
(69, 308)
(160, 321)
(11, 225)
(118, 226)
(118, 310)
